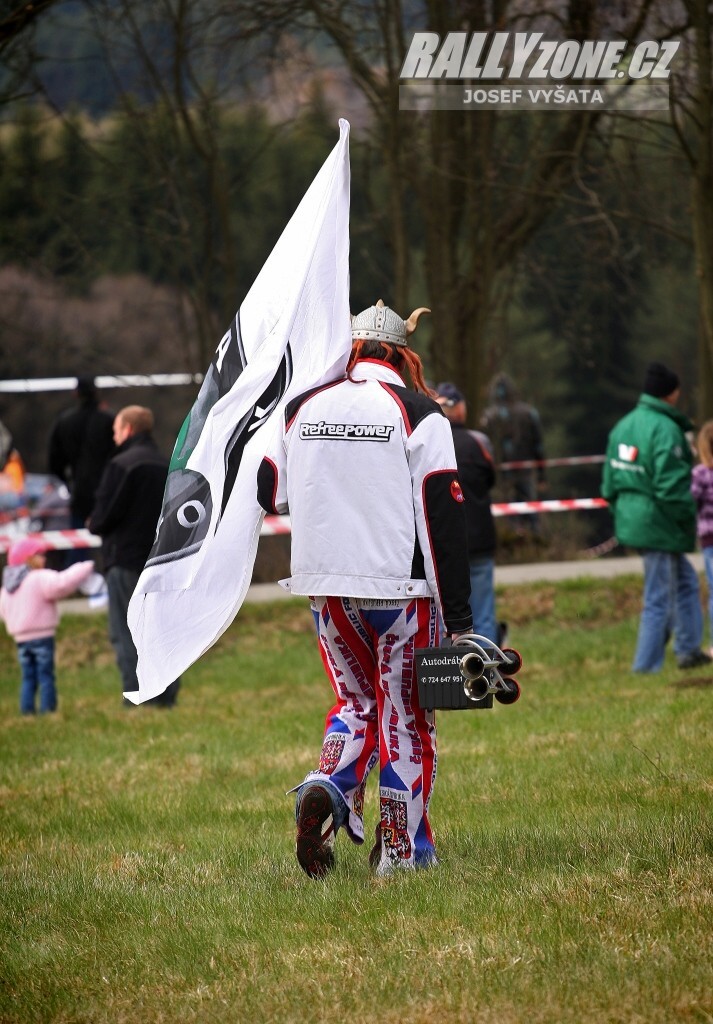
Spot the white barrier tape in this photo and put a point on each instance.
(58, 540)
(132, 380)
(574, 460)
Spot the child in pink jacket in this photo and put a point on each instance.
(28, 604)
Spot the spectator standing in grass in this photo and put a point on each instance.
(702, 490)
(28, 604)
(126, 512)
(80, 445)
(647, 482)
(476, 473)
(515, 431)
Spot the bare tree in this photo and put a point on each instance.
(15, 18)
(175, 77)
(17, 21)
(477, 186)
(692, 116)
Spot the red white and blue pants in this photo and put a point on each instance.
(367, 647)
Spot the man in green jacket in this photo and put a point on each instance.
(647, 482)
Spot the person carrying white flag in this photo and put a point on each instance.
(366, 468)
(291, 333)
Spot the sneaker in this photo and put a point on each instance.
(315, 832)
(695, 659)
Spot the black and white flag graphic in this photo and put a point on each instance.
(291, 333)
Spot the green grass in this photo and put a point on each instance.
(148, 872)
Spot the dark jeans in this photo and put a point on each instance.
(121, 584)
(36, 659)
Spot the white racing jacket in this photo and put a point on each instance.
(367, 471)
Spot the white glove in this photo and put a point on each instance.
(93, 585)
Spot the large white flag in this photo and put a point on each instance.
(291, 333)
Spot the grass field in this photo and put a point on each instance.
(148, 872)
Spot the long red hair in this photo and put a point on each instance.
(398, 356)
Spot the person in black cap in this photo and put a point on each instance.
(647, 482)
(476, 472)
(80, 445)
(660, 382)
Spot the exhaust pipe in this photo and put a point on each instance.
(472, 665)
(472, 668)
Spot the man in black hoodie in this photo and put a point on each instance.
(476, 473)
(80, 446)
(127, 509)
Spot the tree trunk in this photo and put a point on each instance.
(702, 196)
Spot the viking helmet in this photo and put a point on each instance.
(379, 323)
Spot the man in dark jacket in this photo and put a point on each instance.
(647, 481)
(80, 446)
(476, 473)
(127, 509)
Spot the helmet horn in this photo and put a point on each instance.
(412, 322)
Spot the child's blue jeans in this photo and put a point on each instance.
(708, 563)
(36, 659)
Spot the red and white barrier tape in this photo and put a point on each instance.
(56, 540)
(574, 460)
(59, 540)
(519, 508)
(275, 525)
(281, 524)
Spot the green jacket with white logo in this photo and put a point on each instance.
(647, 478)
